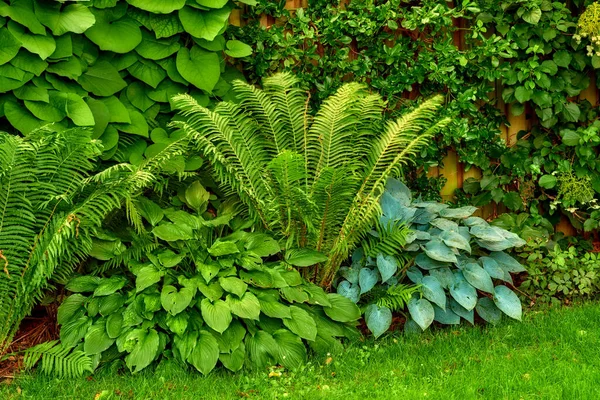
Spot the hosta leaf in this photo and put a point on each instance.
(421, 311)
(102, 79)
(492, 267)
(507, 262)
(246, 307)
(85, 283)
(367, 279)
(463, 292)
(69, 308)
(144, 351)
(462, 212)
(487, 310)
(438, 251)
(508, 302)
(423, 261)
(262, 349)
(109, 285)
(158, 6)
(378, 319)
(175, 301)
(178, 323)
(433, 291)
(301, 323)
(216, 315)
(96, 339)
(456, 240)
(447, 316)
(114, 325)
(233, 285)
(342, 309)
(147, 276)
(223, 248)
(290, 349)
(478, 277)
(234, 361)
(262, 245)
(171, 232)
(304, 257)
(204, 24)
(111, 303)
(444, 276)
(273, 308)
(72, 331)
(387, 266)
(349, 290)
(468, 315)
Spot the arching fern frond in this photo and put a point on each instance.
(54, 359)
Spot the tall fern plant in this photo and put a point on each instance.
(50, 205)
(315, 179)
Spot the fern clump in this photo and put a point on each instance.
(313, 179)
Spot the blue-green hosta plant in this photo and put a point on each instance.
(457, 261)
(194, 285)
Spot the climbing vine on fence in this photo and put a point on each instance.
(112, 65)
(482, 55)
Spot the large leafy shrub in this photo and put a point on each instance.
(457, 261)
(51, 204)
(112, 65)
(208, 291)
(314, 180)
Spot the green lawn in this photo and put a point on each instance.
(553, 354)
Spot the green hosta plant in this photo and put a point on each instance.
(457, 261)
(209, 292)
(314, 180)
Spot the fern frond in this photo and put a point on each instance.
(397, 297)
(57, 360)
(390, 239)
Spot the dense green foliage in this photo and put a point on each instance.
(457, 261)
(194, 285)
(112, 65)
(314, 180)
(51, 205)
(522, 50)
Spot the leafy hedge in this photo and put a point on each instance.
(113, 65)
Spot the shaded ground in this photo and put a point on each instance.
(553, 354)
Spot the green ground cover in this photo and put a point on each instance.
(553, 354)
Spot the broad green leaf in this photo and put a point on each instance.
(72, 331)
(46, 111)
(29, 62)
(204, 24)
(421, 311)
(492, 268)
(571, 112)
(433, 291)
(69, 308)
(478, 277)
(137, 94)
(19, 117)
(223, 248)
(114, 325)
(349, 290)
(233, 285)
(118, 112)
(212, 3)
(110, 285)
(144, 351)
(262, 245)
(316, 295)
(237, 49)
(290, 349)
(111, 303)
(301, 323)
(562, 58)
(175, 301)
(468, 315)
(378, 319)
(487, 310)
(76, 18)
(342, 309)
(462, 212)
(507, 262)
(22, 11)
(387, 266)
(522, 94)
(178, 323)
(205, 355)
(138, 125)
(532, 15)
(82, 284)
(262, 349)
(74, 106)
(247, 307)
(102, 79)
(168, 258)
(273, 308)
(9, 45)
(158, 6)
(197, 197)
(96, 339)
(548, 181)
(216, 315)
(156, 49)
(171, 232)
(570, 138)
(425, 262)
(41, 45)
(549, 67)
(121, 36)
(148, 72)
(508, 302)
(234, 361)
(165, 26)
(304, 257)
(70, 68)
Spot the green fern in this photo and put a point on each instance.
(315, 179)
(54, 359)
(396, 297)
(389, 239)
(50, 207)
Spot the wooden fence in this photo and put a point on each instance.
(453, 170)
